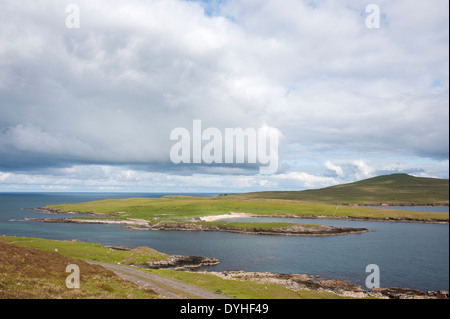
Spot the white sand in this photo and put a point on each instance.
(225, 216)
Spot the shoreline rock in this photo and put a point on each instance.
(172, 262)
(178, 262)
(344, 288)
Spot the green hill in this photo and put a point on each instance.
(395, 189)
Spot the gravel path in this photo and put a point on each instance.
(166, 287)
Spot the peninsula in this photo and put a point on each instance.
(190, 213)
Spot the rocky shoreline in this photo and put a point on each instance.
(344, 288)
(178, 262)
(174, 262)
(139, 224)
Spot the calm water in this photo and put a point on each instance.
(409, 255)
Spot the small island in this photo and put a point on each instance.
(284, 229)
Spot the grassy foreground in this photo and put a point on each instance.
(31, 268)
(28, 273)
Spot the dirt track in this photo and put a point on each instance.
(167, 288)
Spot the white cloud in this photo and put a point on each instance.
(305, 180)
(363, 170)
(337, 169)
(110, 92)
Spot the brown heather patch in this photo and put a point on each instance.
(29, 273)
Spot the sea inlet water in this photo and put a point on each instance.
(409, 255)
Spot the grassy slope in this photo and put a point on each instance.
(30, 268)
(30, 273)
(391, 189)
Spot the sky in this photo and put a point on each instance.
(89, 97)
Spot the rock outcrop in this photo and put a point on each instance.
(297, 282)
(178, 262)
(173, 262)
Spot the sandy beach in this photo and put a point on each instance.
(215, 218)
